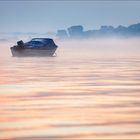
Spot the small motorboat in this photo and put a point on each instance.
(35, 47)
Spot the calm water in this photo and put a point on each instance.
(74, 95)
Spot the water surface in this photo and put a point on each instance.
(80, 94)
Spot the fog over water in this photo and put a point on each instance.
(106, 47)
(90, 90)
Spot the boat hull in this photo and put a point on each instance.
(32, 52)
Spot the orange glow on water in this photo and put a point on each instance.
(70, 97)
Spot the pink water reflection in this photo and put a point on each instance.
(83, 97)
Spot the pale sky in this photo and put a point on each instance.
(45, 16)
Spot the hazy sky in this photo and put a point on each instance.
(44, 16)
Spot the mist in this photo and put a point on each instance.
(89, 48)
(107, 47)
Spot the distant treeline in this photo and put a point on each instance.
(75, 32)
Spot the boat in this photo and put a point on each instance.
(35, 47)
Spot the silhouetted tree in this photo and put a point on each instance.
(76, 31)
(62, 34)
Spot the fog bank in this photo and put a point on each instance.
(107, 47)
